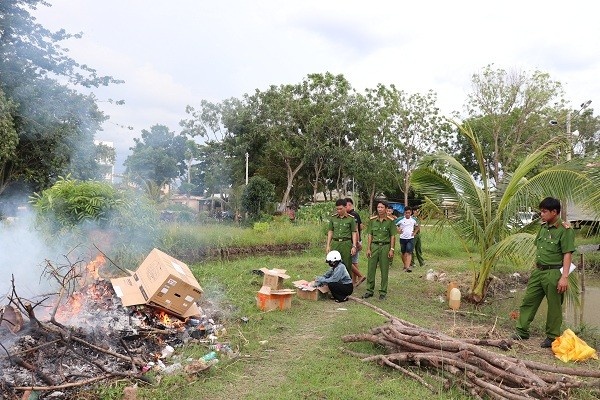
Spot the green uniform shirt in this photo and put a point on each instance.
(381, 230)
(552, 241)
(342, 227)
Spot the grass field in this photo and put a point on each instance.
(296, 354)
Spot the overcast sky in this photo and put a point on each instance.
(178, 52)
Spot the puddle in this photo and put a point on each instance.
(590, 301)
(587, 314)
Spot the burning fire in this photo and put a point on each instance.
(94, 266)
(164, 318)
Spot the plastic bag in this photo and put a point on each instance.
(568, 347)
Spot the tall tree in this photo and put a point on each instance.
(412, 125)
(509, 110)
(48, 116)
(159, 156)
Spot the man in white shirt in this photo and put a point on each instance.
(407, 228)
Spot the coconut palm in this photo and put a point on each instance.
(484, 215)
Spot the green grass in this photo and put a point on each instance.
(296, 353)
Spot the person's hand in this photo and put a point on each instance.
(391, 254)
(563, 284)
(359, 246)
(353, 250)
(369, 253)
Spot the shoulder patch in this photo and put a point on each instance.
(566, 225)
(373, 217)
(334, 215)
(391, 218)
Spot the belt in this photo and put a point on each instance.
(380, 242)
(546, 267)
(341, 239)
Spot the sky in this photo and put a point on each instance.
(176, 53)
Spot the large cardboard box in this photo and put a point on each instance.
(269, 300)
(161, 281)
(273, 278)
(304, 290)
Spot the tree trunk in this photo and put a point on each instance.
(371, 197)
(291, 174)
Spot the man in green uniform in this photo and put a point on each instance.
(381, 236)
(418, 252)
(555, 243)
(342, 234)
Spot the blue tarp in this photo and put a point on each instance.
(399, 207)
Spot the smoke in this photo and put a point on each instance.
(22, 256)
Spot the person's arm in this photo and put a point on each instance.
(417, 229)
(392, 243)
(329, 237)
(563, 282)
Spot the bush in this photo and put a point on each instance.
(317, 212)
(70, 202)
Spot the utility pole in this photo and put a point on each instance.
(563, 209)
(247, 168)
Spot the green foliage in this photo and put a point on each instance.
(482, 215)
(316, 212)
(260, 227)
(70, 202)
(159, 156)
(55, 123)
(257, 196)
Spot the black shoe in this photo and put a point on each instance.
(516, 336)
(382, 297)
(341, 301)
(547, 343)
(366, 295)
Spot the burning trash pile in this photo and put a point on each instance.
(97, 330)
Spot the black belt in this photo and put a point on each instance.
(379, 242)
(341, 240)
(546, 267)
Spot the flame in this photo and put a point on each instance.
(164, 318)
(94, 266)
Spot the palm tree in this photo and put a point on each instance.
(484, 214)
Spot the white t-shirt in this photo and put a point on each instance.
(407, 225)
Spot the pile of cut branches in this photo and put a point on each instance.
(464, 363)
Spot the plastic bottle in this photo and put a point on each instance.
(210, 356)
(454, 301)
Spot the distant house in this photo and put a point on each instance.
(200, 203)
(578, 216)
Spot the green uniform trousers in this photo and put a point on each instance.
(541, 284)
(379, 256)
(418, 252)
(344, 248)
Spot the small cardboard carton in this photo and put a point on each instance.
(304, 290)
(268, 299)
(273, 278)
(161, 281)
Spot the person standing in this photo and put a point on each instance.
(418, 250)
(381, 236)
(407, 227)
(358, 277)
(342, 234)
(392, 217)
(555, 243)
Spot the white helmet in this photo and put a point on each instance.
(333, 256)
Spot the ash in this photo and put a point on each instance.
(93, 338)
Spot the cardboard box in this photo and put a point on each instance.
(269, 300)
(273, 278)
(161, 281)
(304, 290)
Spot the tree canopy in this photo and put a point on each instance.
(49, 127)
